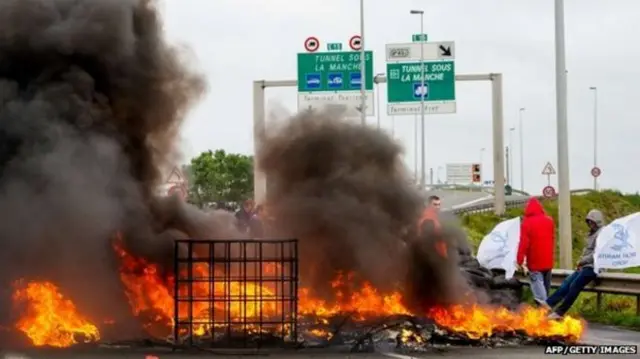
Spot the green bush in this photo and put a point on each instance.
(615, 309)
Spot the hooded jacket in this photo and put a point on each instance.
(586, 259)
(537, 238)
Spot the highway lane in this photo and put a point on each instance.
(490, 200)
(451, 199)
(604, 334)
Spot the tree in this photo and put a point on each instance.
(220, 176)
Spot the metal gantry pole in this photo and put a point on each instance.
(595, 134)
(393, 127)
(377, 89)
(497, 126)
(521, 151)
(363, 72)
(415, 147)
(564, 195)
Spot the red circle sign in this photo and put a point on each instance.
(311, 44)
(355, 42)
(177, 190)
(549, 192)
(596, 172)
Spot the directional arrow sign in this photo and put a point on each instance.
(441, 50)
(445, 51)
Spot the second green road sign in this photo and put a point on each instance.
(404, 80)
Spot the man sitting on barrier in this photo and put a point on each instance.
(583, 275)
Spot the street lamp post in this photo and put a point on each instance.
(510, 174)
(363, 72)
(521, 151)
(422, 93)
(380, 75)
(595, 134)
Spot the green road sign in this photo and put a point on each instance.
(419, 37)
(333, 71)
(404, 82)
(334, 46)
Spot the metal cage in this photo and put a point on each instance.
(235, 293)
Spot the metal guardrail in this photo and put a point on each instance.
(607, 283)
(518, 203)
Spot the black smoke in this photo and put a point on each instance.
(343, 191)
(91, 100)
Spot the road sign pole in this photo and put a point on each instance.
(564, 195)
(259, 131)
(521, 151)
(363, 77)
(422, 125)
(259, 128)
(595, 136)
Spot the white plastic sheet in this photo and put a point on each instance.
(498, 249)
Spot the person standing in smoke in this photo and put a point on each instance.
(243, 216)
(584, 273)
(429, 225)
(536, 247)
(256, 224)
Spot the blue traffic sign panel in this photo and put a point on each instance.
(313, 81)
(355, 80)
(418, 90)
(334, 80)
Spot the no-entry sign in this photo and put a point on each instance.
(549, 192)
(355, 42)
(312, 44)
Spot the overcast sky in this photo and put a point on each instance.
(238, 41)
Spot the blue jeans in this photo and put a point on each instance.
(570, 288)
(540, 283)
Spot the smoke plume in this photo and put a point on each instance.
(91, 99)
(342, 190)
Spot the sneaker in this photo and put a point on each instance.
(554, 316)
(543, 304)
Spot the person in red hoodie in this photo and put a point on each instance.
(537, 243)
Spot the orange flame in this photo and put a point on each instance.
(53, 320)
(477, 322)
(49, 318)
(151, 296)
(360, 302)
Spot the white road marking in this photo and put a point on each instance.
(399, 356)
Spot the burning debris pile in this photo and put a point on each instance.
(91, 99)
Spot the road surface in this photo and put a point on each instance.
(476, 353)
(597, 334)
(451, 199)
